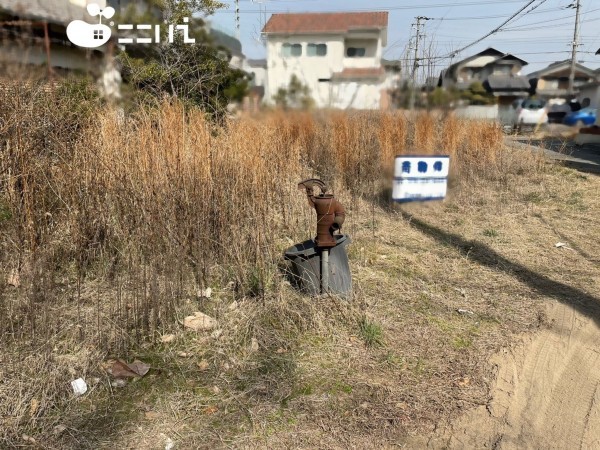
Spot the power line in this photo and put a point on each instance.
(392, 8)
(394, 44)
(516, 28)
(494, 31)
(497, 16)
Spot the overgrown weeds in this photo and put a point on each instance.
(110, 225)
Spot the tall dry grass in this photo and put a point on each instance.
(91, 194)
(108, 223)
(86, 193)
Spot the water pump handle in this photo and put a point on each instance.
(310, 184)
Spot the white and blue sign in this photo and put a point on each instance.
(420, 178)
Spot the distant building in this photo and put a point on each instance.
(553, 81)
(337, 55)
(589, 95)
(33, 33)
(591, 135)
(257, 69)
(499, 72)
(393, 72)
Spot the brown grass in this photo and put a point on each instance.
(114, 223)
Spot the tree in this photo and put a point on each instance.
(296, 95)
(199, 74)
(477, 95)
(442, 98)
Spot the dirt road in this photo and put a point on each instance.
(545, 393)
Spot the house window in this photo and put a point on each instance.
(355, 52)
(316, 50)
(288, 50)
(502, 70)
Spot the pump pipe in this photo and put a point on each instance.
(325, 271)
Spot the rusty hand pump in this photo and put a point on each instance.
(330, 212)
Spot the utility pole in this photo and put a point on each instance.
(420, 20)
(237, 19)
(577, 6)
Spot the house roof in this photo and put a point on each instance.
(487, 52)
(560, 66)
(510, 57)
(340, 22)
(54, 11)
(359, 73)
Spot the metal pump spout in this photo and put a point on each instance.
(320, 265)
(330, 212)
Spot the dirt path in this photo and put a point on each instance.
(546, 393)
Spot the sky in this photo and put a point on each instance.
(539, 36)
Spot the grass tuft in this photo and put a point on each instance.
(371, 333)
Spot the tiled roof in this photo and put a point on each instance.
(359, 73)
(53, 11)
(325, 22)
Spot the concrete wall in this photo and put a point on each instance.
(488, 112)
(356, 95)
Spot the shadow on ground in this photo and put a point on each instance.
(579, 300)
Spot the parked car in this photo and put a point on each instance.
(530, 112)
(557, 111)
(585, 116)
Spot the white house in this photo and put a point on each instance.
(257, 68)
(337, 55)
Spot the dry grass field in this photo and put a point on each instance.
(110, 226)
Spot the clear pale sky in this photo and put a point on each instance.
(540, 37)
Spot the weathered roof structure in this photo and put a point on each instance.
(507, 85)
(325, 22)
(562, 69)
(507, 82)
(359, 73)
(487, 56)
